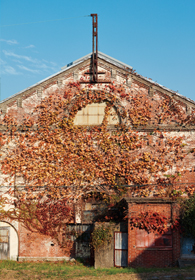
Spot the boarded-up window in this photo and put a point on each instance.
(150, 240)
(93, 114)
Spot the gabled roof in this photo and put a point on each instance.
(165, 88)
(71, 65)
(123, 66)
(102, 56)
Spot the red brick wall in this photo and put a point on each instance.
(152, 257)
(38, 246)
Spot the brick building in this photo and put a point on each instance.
(174, 119)
(136, 247)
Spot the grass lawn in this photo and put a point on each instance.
(10, 270)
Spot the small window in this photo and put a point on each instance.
(151, 240)
(93, 114)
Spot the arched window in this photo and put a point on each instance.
(93, 114)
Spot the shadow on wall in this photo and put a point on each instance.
(153, 249)
(80, 234)
(129, 245)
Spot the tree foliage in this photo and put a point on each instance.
(187, 216)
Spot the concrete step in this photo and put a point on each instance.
(186, 262)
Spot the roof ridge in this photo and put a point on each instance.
(107, 58)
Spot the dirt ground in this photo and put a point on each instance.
(144, 276)
(177, 274)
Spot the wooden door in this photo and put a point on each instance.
(81, 236)
(120, 249)
(4, 243)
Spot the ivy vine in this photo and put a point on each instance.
(57, 160)
(101, 235)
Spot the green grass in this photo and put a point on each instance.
(65, 270)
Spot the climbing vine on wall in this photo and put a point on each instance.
(40, 215)
(46, 149)
(101, 235)
(153, 222)
(52, 151)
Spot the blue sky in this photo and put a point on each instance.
(155, 37)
